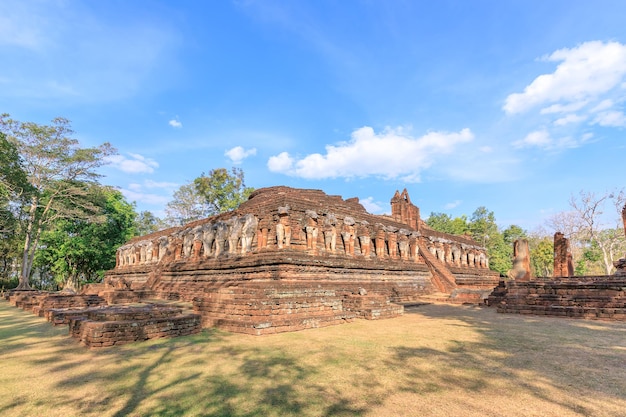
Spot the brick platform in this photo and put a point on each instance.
(98, 328)
(41, 301)
(589, 297)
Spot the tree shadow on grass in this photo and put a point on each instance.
(201, 374)
(163, 378)
(215, 373)
(562, 354)
(19, 327)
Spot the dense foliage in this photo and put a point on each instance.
(58, 172)
(209, 194)
(77, 251)
(482, 227)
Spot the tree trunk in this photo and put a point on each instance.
(28, 242)
(607, 257)
(71, 284)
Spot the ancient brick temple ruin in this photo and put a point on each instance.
(565, 295)
(290, 259)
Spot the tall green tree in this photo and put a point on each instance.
(222, 190)
(78, 250)
(216, 192)
(14, 188)
(445, 223)
(187, 205)
(482, 226)
(500, 248)
(541, 255)
(146, 223)
(58, 171)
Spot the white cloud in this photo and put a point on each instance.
(136, 164)
(146, 198)
(569, 119)
(585, 72)
(163, 184)
(452, 205)
(134, 186)
(280, 163)
(541, 139)
(372, 206)
(584, 90)
(392, 153)
(137, 192)
(238, 154)
(538, 138)
(564, 108)
(175, 123)
(603, 105)
(611, 119)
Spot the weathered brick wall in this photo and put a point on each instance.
(257, 309)
(593, 298)
(305, 240)
(41, 301)
(110, 326)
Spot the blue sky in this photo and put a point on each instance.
(511, 105)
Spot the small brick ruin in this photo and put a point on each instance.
(565, 295)
(287, 259)
(95, 323)
(580, 297)
(103, 327)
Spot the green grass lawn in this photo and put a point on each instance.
(436, 360)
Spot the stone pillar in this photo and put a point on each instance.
(248, 230)
(197, 248)
(263, 233)
(283, 228)
(464, 250)
(403, 243)
(392, 242)
(414, 249)
(198, 233)
(379, 241)
(620, 265)
(363, 234)
(521, 261)
(155, 250)
(330, 233)
(311, 230)
(561, 250)
(347, 235)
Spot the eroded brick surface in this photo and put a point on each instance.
(599, 298)
(287, 259)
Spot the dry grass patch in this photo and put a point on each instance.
(436, 360)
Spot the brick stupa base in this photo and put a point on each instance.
(601, 298)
